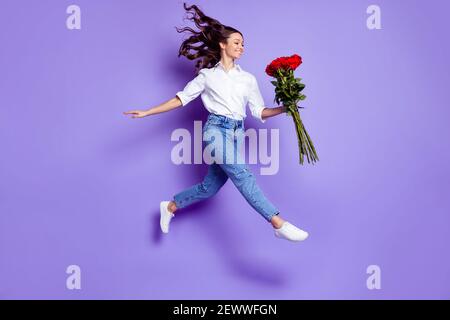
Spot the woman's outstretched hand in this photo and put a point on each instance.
(137, 113)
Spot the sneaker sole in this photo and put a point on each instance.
(282, 237)
(161, 214)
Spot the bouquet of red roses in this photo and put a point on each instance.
(288, 91)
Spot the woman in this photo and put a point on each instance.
(225, 89)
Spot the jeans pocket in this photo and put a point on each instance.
(215, 121)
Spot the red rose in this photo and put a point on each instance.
(295, 61)
(286, 63)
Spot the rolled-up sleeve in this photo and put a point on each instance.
(193, 88)
(255, 100)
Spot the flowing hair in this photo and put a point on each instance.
(204, 43)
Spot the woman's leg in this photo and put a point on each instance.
(213, 181)
(245, 182)
(243, 178)
(275, 220)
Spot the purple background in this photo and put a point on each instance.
(80, 183)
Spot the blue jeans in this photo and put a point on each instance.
(223, 137)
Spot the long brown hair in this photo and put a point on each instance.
(211, 33)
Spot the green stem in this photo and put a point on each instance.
(305, 144)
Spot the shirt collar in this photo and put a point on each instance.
(236, 66)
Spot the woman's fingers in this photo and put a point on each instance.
(134, 113)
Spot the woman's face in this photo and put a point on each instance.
(235, 46)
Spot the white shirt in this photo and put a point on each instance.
(225, 93)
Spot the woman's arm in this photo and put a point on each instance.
(163, 107)
(271, 112)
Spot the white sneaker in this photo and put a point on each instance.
(290, 232)
(166, 216)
